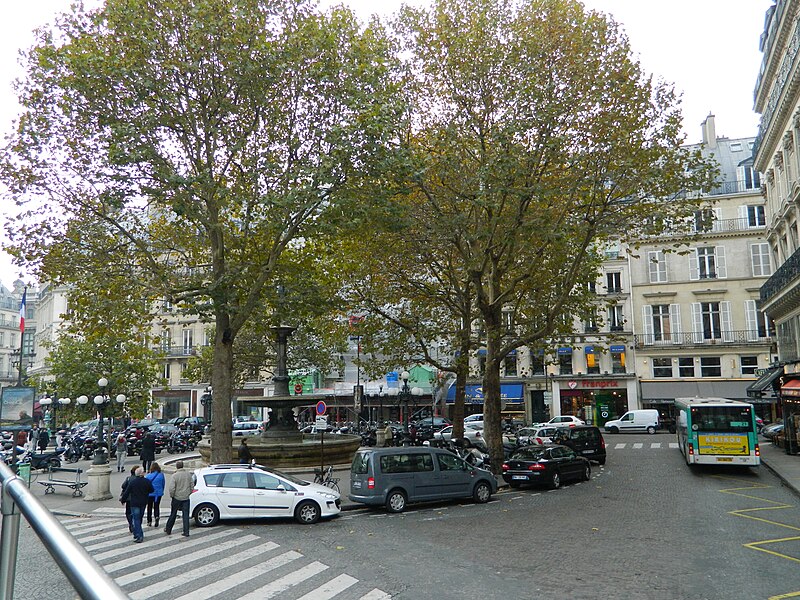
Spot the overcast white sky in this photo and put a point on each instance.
(707, 48)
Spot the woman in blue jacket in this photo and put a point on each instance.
(156, 477)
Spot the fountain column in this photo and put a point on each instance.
(282, 425)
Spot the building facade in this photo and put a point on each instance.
(777, 99)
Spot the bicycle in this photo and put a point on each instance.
(326, 478)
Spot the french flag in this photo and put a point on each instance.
(22, 311)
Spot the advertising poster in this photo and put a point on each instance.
(16, 405)
(724, 444)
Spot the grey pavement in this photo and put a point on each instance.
(785, 466)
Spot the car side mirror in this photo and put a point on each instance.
(280, 488)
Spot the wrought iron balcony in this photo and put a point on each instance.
(693, 340)
(782, 278)
(177, 350)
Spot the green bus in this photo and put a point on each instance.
(717, 431)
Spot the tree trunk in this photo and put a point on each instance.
(462, 370)
(492, 408)
(222, 386)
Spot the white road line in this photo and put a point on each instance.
(117, 532)
(655, 445)
(183, 559)
(150, 541)
(637, 446)
(284, 583)
(230, 582)
(79, 528)
(376, 594)
(330, 589)
(673, 445)
(148, 556)
(619, 446)
(108, 511)
(175, 581)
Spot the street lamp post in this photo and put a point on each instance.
(206, 400)
(99, 475)
(48, 401)
(405, 394)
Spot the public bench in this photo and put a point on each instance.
(76, 485)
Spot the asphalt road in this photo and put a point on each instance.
(645, 526)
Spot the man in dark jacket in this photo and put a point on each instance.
(136, 493)
(148, 451)
(244, 453)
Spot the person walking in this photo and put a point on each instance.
(122, 452)
(34, 438)
(44, 440)
(148, 452)
(180, 487)
(389, 433)
(156, 477)
(245, 456)
(128, 504)
(136, 492)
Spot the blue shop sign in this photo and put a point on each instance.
(510, 393)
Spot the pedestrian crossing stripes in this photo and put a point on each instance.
(217, 563)
(640, 446)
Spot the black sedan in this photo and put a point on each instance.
(549, 464)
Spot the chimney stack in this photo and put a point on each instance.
(709, 132)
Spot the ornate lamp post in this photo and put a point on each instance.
(207, 400)
(48, 401)
(99, 475)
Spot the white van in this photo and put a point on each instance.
(635, 420)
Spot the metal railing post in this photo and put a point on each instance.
(9, 539)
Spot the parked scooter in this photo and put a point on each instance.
(46, 460)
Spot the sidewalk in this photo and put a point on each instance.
(785, 466)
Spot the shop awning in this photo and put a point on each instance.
(660, 390)
(757, 388)
(510, 393)
(791, 388)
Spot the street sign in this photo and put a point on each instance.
(321, 423)
(298, 388)
(322, 408)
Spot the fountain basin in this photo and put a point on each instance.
(335, 449)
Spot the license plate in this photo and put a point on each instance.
(356, 484)
(724, 459)
(518, 477)
(587, 451)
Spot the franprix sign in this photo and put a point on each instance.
(593, 383)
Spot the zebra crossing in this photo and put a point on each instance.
(640, 445)
(222, 562)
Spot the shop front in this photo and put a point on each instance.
(594, 399)
(790, 401)
(512, 399)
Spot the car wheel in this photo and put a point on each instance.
(587, 472)
(651, 430)
(307, 513)
(555, 480)
(482, 492)
(396, 501)
(614, 430)
(206, 515)
(602, 461)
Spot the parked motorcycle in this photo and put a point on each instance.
(46, 460)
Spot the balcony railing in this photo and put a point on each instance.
(781, 278)
(177, 350)
(728, 225)
(693, 339)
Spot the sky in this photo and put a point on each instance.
(707, 48)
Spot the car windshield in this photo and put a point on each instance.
(532, 453)
(289, 478)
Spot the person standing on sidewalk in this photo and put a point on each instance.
(245, 456)
(136, 492)
(148, 452)
(122, 452)
(34, 438)
(180, 488)
(156, 477)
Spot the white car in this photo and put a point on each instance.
(562, 421)
(474, 420)
(245, 491)
(536, 435)
(246, 428)
(471, 431)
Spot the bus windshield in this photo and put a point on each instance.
(722, 419)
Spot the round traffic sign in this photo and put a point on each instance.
(298, 388)
(604, 414)
(321, 408)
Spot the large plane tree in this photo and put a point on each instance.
(195, 141)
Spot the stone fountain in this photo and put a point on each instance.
(282, 445)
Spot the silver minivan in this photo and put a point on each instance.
(393, 477)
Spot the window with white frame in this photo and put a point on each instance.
(760, 259)
(707, 262)
(166, 340)
(712, 321)
(537, 362)
(686, 366)
(754, 215)
(166, 371)
(657, 266)
(710, 366)
(188, 341)
(662, 367)
(614, 282)
(706, 219)
(616, 319)
(759, 325)
(750, 177)
(661, 323)
(749, 364)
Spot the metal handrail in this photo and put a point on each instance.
(87, 577)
